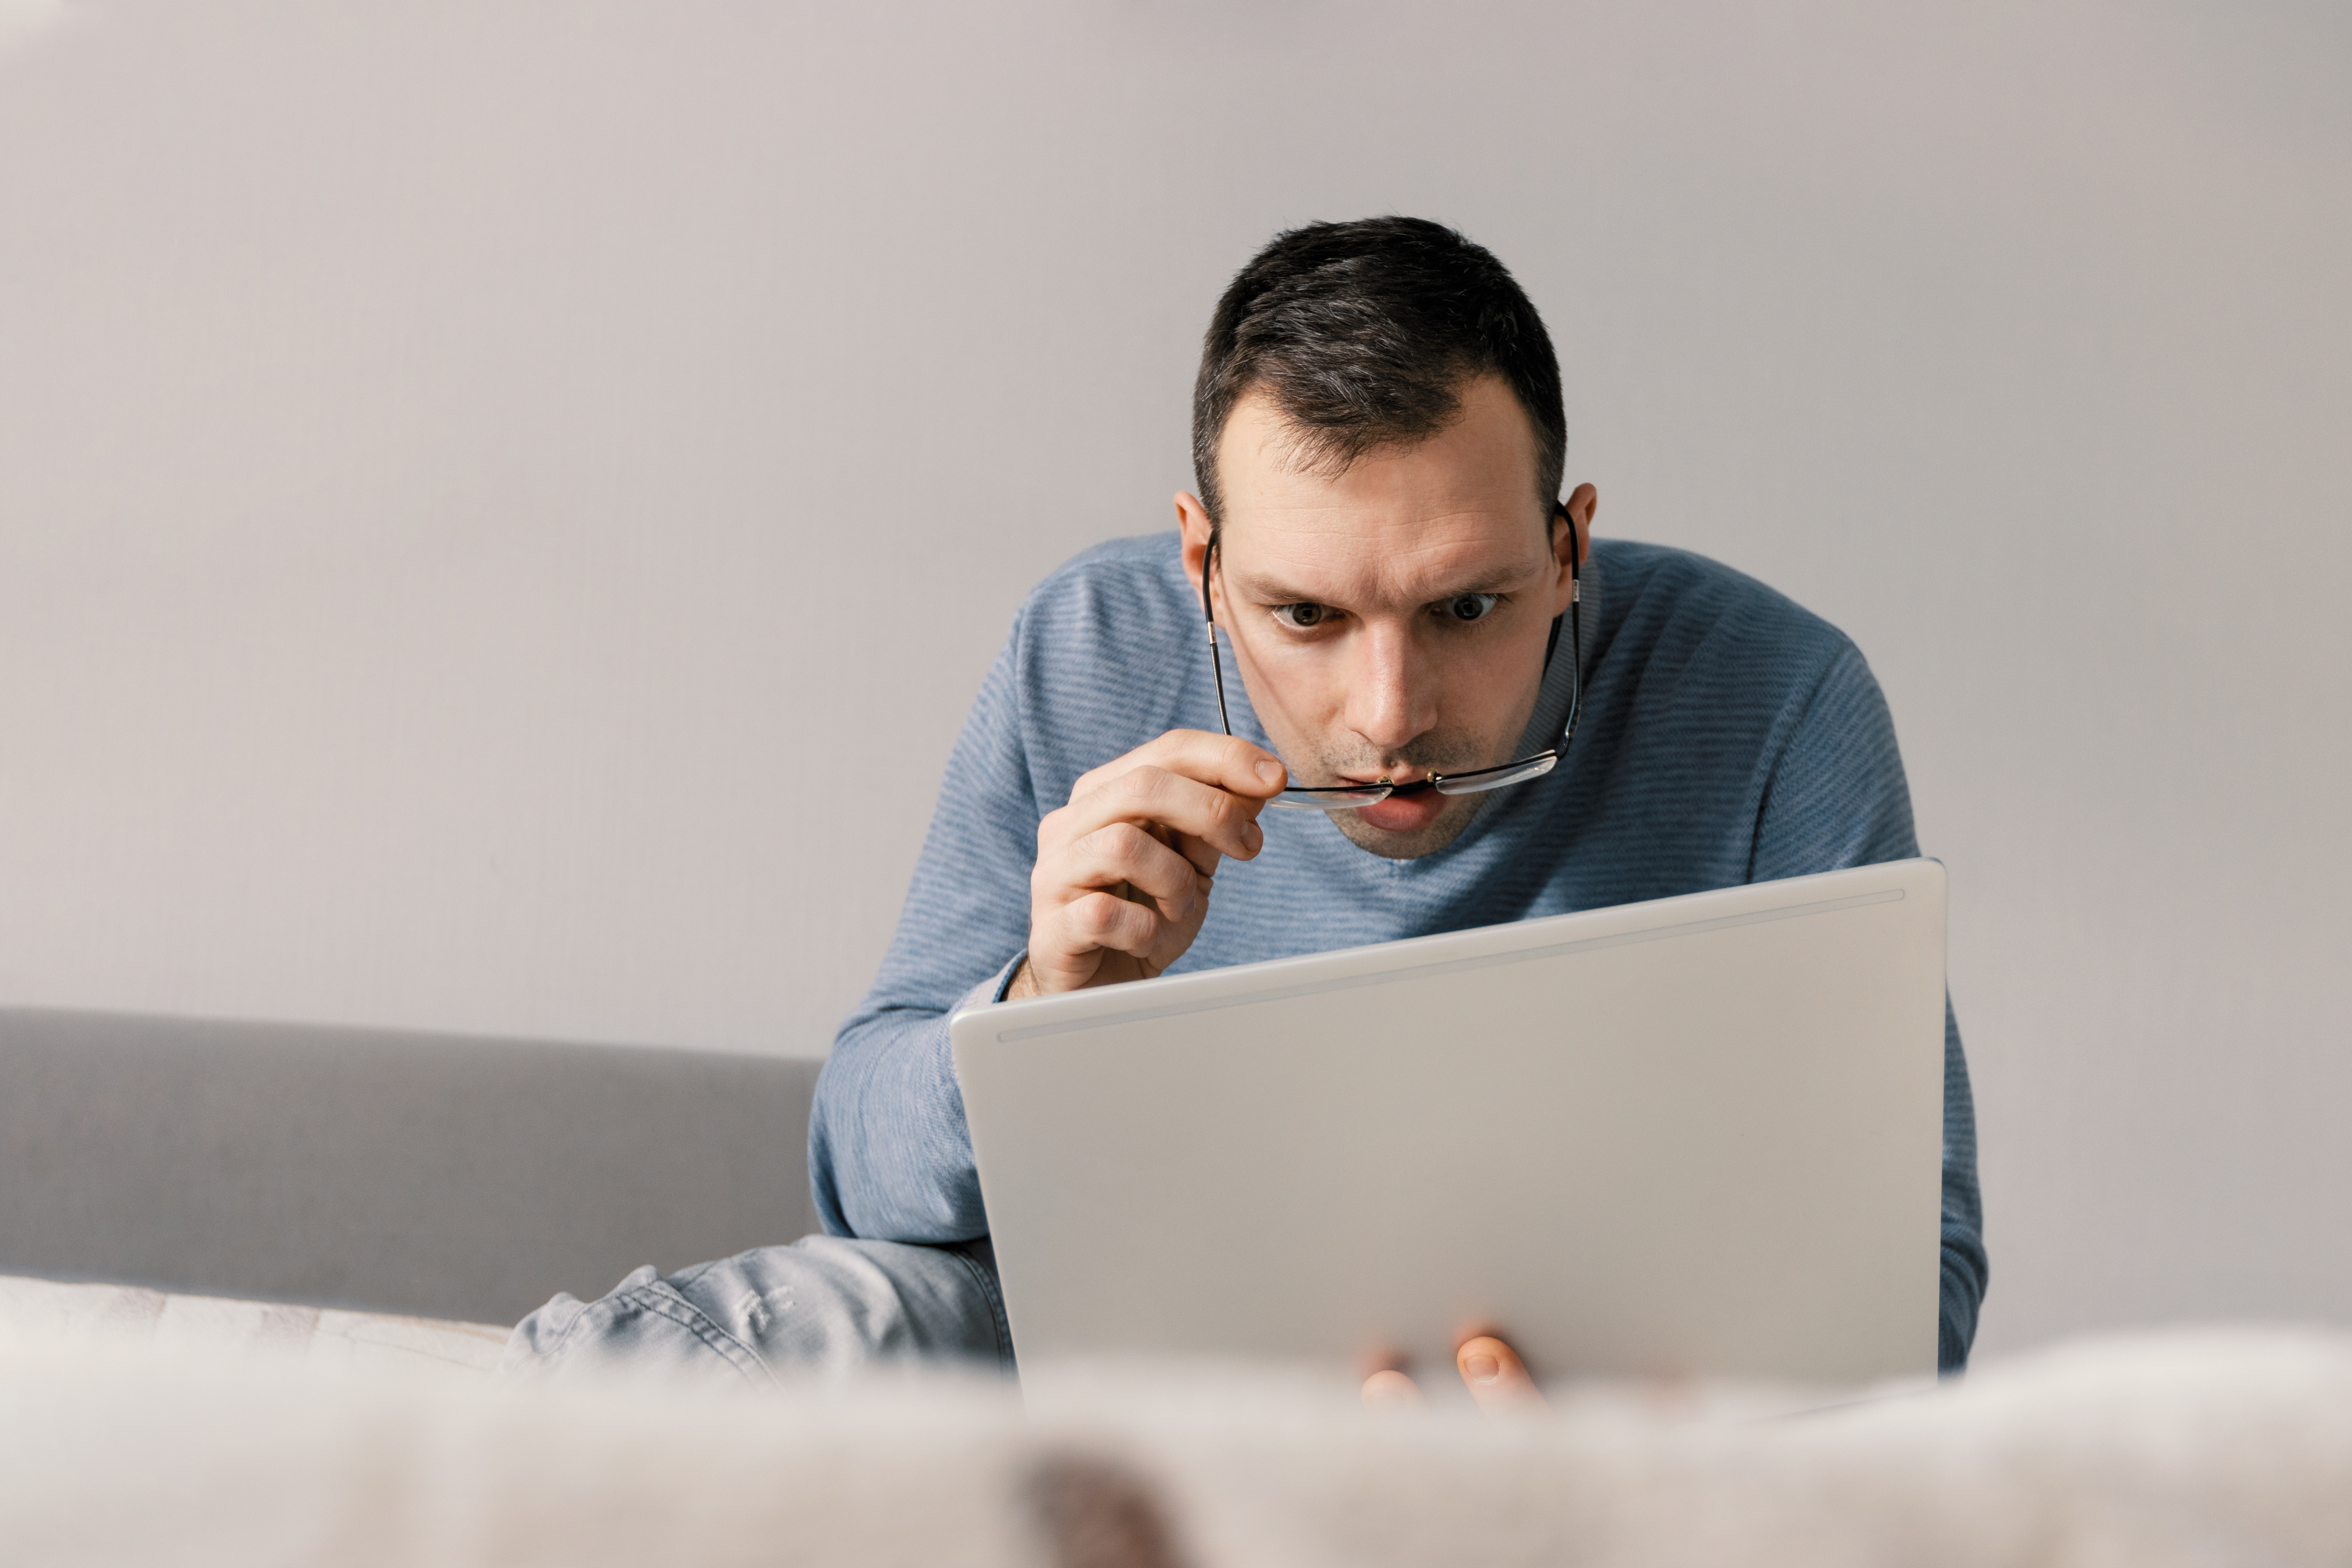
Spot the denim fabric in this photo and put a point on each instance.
(823, 1304)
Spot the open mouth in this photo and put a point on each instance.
(1414, 806)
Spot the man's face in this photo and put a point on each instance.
(1389, 621)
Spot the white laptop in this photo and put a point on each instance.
(1696, 1136)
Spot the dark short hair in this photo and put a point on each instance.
(1363, 334)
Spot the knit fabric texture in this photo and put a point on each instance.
(1729, 736)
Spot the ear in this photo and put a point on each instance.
(1193, 518)
(1582, 502)
(1572, 532)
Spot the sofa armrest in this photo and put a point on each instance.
(384, 1170)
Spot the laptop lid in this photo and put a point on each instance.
(1700, 1135)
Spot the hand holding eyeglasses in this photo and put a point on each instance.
(1124, 871)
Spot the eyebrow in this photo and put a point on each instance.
(1272, 591)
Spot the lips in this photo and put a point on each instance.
(1407, 815)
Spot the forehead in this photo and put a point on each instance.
(1399, 522)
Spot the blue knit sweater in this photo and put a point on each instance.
(1728, 737)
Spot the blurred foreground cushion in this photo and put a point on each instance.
(195, 1445)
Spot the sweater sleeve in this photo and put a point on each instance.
(1837, 797)
(889, 1155)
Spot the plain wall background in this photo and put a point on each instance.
(503, 506)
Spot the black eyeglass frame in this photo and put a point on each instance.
(1348, 798)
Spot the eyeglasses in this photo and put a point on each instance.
(1347, 798)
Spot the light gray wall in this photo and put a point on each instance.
(502, 506)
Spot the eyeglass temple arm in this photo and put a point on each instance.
(1209, 616)
(1575, 627)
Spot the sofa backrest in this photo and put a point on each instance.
(435, 1175)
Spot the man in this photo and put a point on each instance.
(1379, 441)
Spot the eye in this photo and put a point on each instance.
(1302, 617)
(1470, 606)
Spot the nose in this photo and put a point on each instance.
(1392, 688)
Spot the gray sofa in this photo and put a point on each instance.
(395, 1171)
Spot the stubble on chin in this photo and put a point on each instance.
(1448, 826)
(1431, 754)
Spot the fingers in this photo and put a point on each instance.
(1119, 890)
(1225, 761)
(1124, 868)
(1391, 1389)
(1105, 921)
(1223, 822)
(1498, 1379)
(1200, 822)
(1120, 856)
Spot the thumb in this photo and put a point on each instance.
(1497, 1378)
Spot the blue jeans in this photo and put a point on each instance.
(822, 1304)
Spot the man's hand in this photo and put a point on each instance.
(1496, 1377)
(1124, 870)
